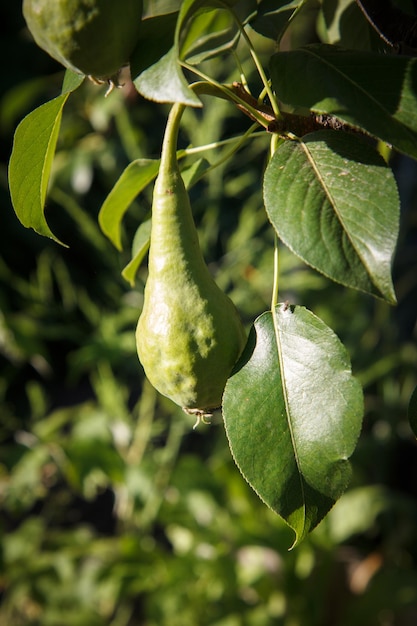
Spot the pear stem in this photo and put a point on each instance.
(169, 144)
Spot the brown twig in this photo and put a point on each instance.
(289, 123)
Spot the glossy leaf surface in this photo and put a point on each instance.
(292, 414)
(334, 202)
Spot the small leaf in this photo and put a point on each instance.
(165, 82)
(412, 411)
(140, 247)
(71, 81)
(30, 163)
(292, 413)
(212, 33)
(334, 202)
(159, 76)
(132, 181)
(374, 92)
(345, 25)
(163, 79)
(274, 16)
(192, 174)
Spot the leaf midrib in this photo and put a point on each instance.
(332, 202)
(277, 332)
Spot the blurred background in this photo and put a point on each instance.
(113, 510)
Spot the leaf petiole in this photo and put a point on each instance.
(238, 142)
(211, 87)
(259, 67)
(274, 299)
(275, 141)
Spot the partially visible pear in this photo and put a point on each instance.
(91, 37)
(189, 335)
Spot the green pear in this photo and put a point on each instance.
(91, 37)
(189, 335)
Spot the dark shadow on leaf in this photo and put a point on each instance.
(247, 353)
(349, 146)
(369, 91)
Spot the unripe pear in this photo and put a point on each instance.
(91, 37)
(189, 334)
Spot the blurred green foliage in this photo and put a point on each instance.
(113, 510)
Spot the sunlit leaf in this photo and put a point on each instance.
(30, 164)
(334, 202)
(132, 181)
(31, 160)
(71, 81)
(165, 82)
(210, 34)
(293, 414)
(192, 174)
(140, 247)
(157, 73)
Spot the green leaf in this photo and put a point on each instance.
(210, 34)
(156, 38)
(140, 247)
(356, 512)
(165, 82)
(374, 92)
(160, 7)
(343, 23)
(132, 181)
(72, 81)
(292, 413)
(32, 155)
(274, 16)
(158, 74)
(412, 411)
(163, 79)
(30, 163)
(193, 173)
(334, 202)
